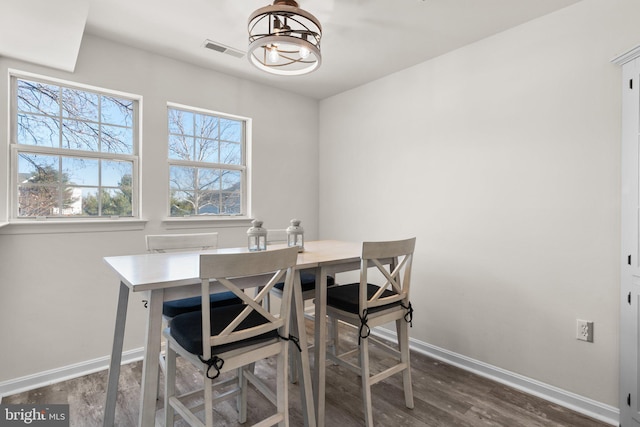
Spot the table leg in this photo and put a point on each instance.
(116, 357)
(151, 363)
(304, 373)
(320, 347)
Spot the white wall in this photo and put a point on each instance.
(57, 297)
(503, 158)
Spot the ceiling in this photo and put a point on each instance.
(41, 31)
(363, 40)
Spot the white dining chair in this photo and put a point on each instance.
(162, 243)
(221, 339)
(181, 242)
(381, 296)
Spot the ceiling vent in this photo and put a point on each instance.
(219, 47)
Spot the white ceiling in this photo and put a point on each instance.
(43, 31)
(362, 39)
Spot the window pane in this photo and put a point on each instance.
(116, 111)
(38, 130)
(77, 135)
(206, 126)
(181, 203)
(208, 200)
(116, 202)
(117, 139)
(208, 179)
(79, 104)
(40, 98)
(230, 153)
(209, 203)
(117, 174)
(112, 202)
(207, 150)
(38, 200)
(231, 203)
(182, 178)
(72, 203)
(79, 171)
(181, 147)
(38, 168)
(231, 181)
(90, 203)
(231, 192)
(194, 191)
(230, 130)
(181, 122)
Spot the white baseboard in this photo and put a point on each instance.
(591, 408)
(53, 376)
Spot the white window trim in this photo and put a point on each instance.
(173, 222)
(19, 225)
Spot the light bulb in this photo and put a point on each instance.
(273, 54)
(304, 52)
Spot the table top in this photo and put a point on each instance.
(150, 271)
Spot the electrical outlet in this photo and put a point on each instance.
(584, 330)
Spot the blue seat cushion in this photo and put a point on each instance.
(186, 328)
(308, 281)
(345, 297)
(187, 305)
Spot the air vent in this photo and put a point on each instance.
(219, 47)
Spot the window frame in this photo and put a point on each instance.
(244, 168)
(15, 149)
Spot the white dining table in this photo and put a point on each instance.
(167, 276)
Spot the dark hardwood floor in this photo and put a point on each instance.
(444, 396)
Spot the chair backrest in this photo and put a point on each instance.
(263, 269)
(392, 261)
(276, 236)
(181, 242)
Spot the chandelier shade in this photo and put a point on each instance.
(284, 39)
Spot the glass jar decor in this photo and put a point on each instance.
(295, 235)
(257, 236)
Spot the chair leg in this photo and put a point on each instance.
(293, 355)
(242, 398)
(293, 365)
(208, 401)
(162, 369)
(162, 364)
(169, 384)
(282, 387)
(402, 328)
(334, 346)
(366, 382)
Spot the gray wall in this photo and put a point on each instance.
(503, 158)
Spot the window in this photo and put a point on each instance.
(207, 163)
(74, 151)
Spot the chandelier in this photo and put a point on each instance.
(284, 39)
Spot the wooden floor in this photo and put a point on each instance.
(444, 396)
